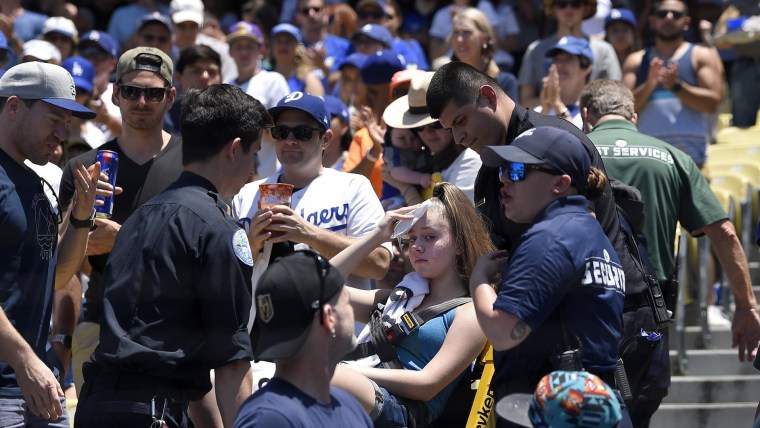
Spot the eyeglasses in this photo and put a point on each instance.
(373, 14)
(434, 125)
(308, 10)
(57, 208)
(301, 132)
(133, 93)
(150, 38)
(516, 171)
(323, 266)
(561, 4)
(663, 13)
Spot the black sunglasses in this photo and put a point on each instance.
(57, 208)
(663, 13)
(575, 4)
(307, 10)
(434, 125)
(133, 93)
(301, 132)
(516, 171)
(323, 266)
(93, 53)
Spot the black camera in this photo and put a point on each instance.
(569, 361)
(657, 302)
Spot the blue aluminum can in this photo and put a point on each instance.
(109, 163)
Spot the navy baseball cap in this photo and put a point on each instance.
(288, 294)
(288, 29)
(46, 82)
(380, 67)
(375, 32)
(337, 108)
(311, 105)
(155, 17)
(544, 145)
(82, 71)
(100, 39)
(622, 15)
(572, 45)
(356, 59)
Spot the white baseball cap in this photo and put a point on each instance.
(187, 10)
(61, 25)
(42, 50)
(46, 82)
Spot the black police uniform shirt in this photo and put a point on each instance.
(505, 232)
(28, 240)
(564, 267)
(140, 183)
(177, 290)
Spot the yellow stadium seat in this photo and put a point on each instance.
(744, 192)
(726, 201)
(734, 135)
(751, 172)
(724, 120)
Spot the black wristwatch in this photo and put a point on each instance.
(63, 339)
(82, 224)
(677, 86)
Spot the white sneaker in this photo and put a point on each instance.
(716, 317)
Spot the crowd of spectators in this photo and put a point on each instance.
(355, 78)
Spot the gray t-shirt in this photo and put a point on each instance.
(535, 64)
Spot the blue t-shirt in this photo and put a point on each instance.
(417, 349)
(563, 266)
(281, 404)
(28, 240)
(412, 52)
(295, 84)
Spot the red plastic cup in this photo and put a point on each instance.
(272, 194)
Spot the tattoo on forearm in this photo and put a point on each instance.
(519, 331)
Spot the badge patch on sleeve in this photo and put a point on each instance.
(241, 247)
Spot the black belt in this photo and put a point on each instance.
(635, 301)
(132, 382)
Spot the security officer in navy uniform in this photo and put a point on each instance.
(178, 282)
(559, 302)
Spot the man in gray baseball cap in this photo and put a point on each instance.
(36, 102)
(40, 81)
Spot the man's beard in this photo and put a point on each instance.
(678, 35)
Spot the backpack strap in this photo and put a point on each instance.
(381, 344)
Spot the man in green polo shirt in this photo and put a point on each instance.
(675, 191)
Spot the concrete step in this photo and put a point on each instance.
(713, 389)
(714, 362)
(703, 415)
(720, 337)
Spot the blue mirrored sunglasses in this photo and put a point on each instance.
(516, 171)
